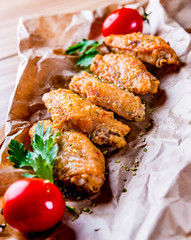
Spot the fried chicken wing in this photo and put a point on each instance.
(78, 162)
(108, 95)
(149, 49)
(125, 71)
(69, 111)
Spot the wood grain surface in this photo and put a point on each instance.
(9, 14)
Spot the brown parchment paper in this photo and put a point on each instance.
(157, 204)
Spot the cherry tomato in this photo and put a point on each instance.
(122, 21)
(33, 205)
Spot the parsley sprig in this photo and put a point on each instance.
(42, 158)
(87, 49)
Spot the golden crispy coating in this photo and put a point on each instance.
(126, 72)
(78, 162)
(149, 49)
(69, 111)
(107, 95)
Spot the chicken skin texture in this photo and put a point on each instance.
(149, 49)
(69, 111)
(125, 71)
(109, 96)
(78, 162)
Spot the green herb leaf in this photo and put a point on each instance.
(43, 155)
(86, 59)
(18, 154)
(88, 50)
(86, 209)
(81, 46)
(71, 209)
(74, 48)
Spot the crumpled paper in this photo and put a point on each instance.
(157, 203)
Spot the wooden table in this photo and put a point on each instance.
(9, 14)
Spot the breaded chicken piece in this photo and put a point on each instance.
(78, 162)
(149, 49)
(126, 72)
(69, 111)
(107, 95)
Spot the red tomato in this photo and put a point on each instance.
(122, 21)
(33, 205)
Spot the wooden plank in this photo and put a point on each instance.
(10, 12)
(8, 69)
(2, 135)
